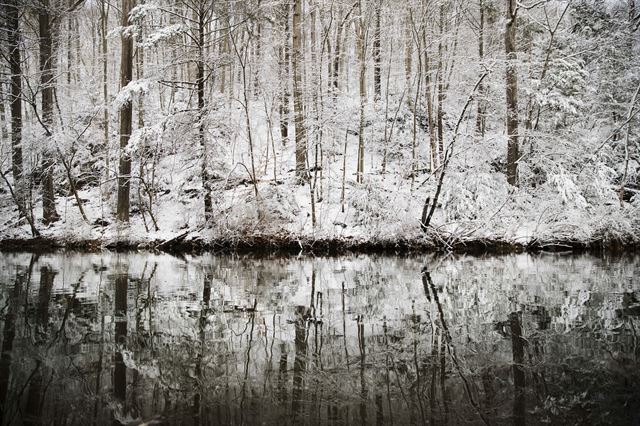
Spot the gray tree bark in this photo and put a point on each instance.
(285, 58)
(105, 86)
(511, 93)
(15, 67)
(361, 46)
(480, 116)
(200, 81)
(126, 71)
(377, 67)
(49, 213)
(298, 106)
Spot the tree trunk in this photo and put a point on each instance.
(105, 94)
(298, 58)
(223, 52)
(200, 80)
(441, 95)
(511, 93)
(338, 52)
(408, 55)
(140, 75)
(69, 47)
(418, 79)
(3, 115)
(377, 68)
(285, 57)
(126, 71)
(15, 65)
(257, 57)
(363, 94)
(336, 61)
(49, 213)
(329, 59)
(633, 25)
(480, 116)
(428, 95)
(313, 38)
(143, 150)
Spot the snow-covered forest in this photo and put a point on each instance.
(441, 121)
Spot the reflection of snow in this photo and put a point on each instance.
(574, 308)
(473, 291)
(180, 339)
(148, 371)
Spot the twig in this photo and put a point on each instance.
(611, 135)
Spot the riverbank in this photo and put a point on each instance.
(290, 244)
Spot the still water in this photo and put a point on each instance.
(132, 338)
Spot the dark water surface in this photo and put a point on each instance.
(147, 338)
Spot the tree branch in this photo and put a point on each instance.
(426, 217)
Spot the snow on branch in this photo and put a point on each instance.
(163, 34)
(132, 89)
(141, 11)
(567, 189)
(120, 31)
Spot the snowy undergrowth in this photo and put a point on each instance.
(567, 194)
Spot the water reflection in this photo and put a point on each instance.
(145, 338)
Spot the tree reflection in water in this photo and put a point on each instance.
(145, 338)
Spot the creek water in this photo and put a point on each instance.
(133, 338)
